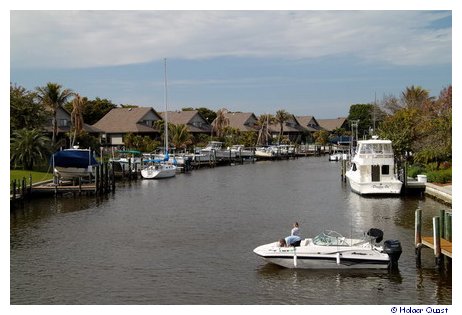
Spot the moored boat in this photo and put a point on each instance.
(372, 169)
(73, 163)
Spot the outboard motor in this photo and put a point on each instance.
(394, 250)
(376, 233)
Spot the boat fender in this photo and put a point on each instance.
(338, 258)
(295, 258)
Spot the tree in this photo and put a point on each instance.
(435, 143)
(401, 129)
(28, 147)
(52, 96)
(321, 137)
(263, 123)
(96, 109)
(77, 117)
(220, 122)
(24, 111)
(179, 136)
(363, 113)
(415, 97)
(281, 117)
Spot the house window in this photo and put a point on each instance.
(149, 123)
(385, 169)
(63, 123)
(197, 124)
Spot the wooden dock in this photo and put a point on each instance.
(445, 245)
(440, 242)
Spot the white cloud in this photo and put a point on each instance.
(104, 38)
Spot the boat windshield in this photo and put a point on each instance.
(376, 148)
(329, 238)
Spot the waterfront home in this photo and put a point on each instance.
(63, 119)
(332, 124)
(243, 122)
(192, 119)
(120, 121)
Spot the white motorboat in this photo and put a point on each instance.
(372, 169)
(331, 250)
(73, 163)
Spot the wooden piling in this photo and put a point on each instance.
(448, 227)
(437, 241)
(441, 226)
(418, 237)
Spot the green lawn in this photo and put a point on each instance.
(36, 176)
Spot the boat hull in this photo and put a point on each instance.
(375, 188)
(325, 257)
(159, 171)
(73, 172)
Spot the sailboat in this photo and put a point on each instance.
(161, 168)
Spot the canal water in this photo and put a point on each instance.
(189, 240)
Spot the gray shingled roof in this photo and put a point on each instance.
(123, 120)
(187, 118)
(331, 124)
(242, 121)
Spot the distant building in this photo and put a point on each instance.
(242, 121)
(121, 121)
(332, 124)
(192, 119)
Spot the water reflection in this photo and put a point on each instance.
(189, 240)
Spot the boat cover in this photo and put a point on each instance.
(73, 158)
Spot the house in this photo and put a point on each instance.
(291, 128)
(63, 120)
(244, 122)
(192, 119)
(332, 124)
(309, 122)
(121, 121)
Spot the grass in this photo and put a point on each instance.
(36, 176)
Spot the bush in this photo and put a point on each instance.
(415, 170)
(440, 176)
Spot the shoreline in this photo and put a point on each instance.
(440, 193)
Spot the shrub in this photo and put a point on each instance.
(440, 176)
(415, 170)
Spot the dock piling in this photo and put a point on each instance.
(418, 237)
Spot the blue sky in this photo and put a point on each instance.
(306, 62)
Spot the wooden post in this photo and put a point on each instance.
(442, 224)
(14, 189)
(418, 237)
(80, 185)
(448, 227)
(96, 178)
(113, 177)
(437, 241)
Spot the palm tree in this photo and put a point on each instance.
(52, 96)
(179, 136)
(263, 125)
(415, 96)
(220, 122)
(77, 116)
(281, 117)
(28, 146)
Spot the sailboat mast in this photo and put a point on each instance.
(166, 111)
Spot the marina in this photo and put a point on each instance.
(119, 248)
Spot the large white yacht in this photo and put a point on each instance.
(372, 169)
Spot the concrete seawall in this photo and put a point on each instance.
(442, 193)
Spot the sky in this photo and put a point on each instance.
(307, 62)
